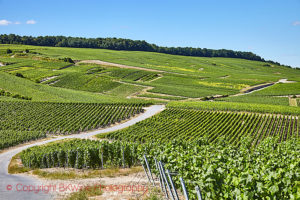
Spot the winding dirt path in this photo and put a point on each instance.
(14, 186)
(99, 62)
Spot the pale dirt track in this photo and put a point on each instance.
(99, 62)
(17, 181)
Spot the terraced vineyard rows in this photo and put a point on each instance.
(24, 121)
(63, 118)
(187, 124)
(10, 138)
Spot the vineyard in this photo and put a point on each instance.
(221, 170)
(63, 118)
(24, 121)
(188, 124)
(10, 138)
(82, 154)
(229, 144)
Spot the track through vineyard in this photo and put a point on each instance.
(5, 157)
(24, 121)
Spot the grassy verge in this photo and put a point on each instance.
(69, 173)
(85, 194)
(15, 167)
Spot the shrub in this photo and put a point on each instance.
(20, 75)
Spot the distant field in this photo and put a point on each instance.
(237, 106)
(257, 99)
(41, 92)
(190, 77)
(281, 89)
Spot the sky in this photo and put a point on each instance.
(269, 28)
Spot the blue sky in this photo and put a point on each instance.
(269, 28)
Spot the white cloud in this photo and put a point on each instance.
(17, 23)
(31, 22)
(296, 23)
(4, 22)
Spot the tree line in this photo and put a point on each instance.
(125, 44)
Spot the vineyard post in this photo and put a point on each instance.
(166, 180)
(159, 177)
(163, 186)
(146, 173)
(172, 184)
(133, 155)
(198, 192)
(186, 195)
(149, 169)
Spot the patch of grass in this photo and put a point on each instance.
(70, 173)
(15, 167)
(102, 135)
(54, 175)
(125, 90)
(85, 193)
(154, 194)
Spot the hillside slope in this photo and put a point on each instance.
(176, 77)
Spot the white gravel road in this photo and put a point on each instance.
(15, 186)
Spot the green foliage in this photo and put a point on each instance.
(82, 154)
(63, 118)
(257, 99)
(86, 83)
(10, 138)
(20, 75)
(69, 60)
(8, 51)
(281, 89)
(237, 106)
(125, 90)
(40, 92)
(222, 171)
(17, 96)
(192, 77)
(271, 171)
(122, 44)
(189, 125)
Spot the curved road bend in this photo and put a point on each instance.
(9, 183)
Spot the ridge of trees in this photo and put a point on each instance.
(125, 44)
